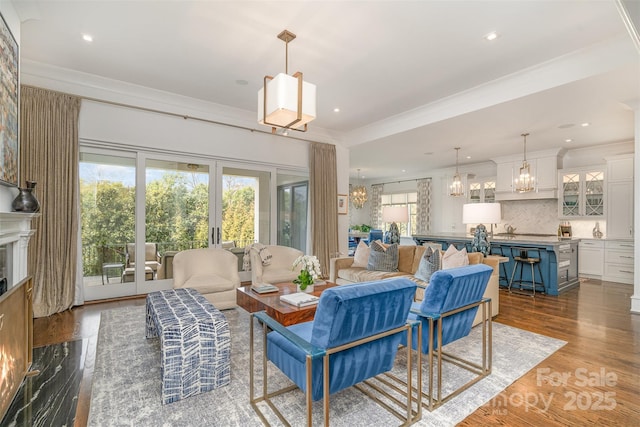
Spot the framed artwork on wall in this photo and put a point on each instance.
(9, 111)
(343, 204)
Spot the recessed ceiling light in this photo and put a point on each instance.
(428, 153)
(87, 37)
(468, 157)
(566, 126)
(585, 124)
(242, 82)
(404, 170)
(491, 36)
(568, 140)
(336, 110)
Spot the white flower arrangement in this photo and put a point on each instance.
(310, 270)
(309, 263)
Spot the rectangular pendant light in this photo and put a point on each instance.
(286, 101)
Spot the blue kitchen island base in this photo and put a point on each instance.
(558, 258)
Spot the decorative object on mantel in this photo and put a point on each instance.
(286, 101)
(457, 188)
(359, 194)
(479, 213)
(596, 231)
(309, 273)
(26, 201)
(394, 214)
(525, 182)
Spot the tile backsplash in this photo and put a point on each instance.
(541, 216)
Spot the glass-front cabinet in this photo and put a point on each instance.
(483, 191)
(581, 193)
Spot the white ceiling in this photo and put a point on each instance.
(410, 77)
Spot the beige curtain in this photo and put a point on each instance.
(423, 216)
(49, 156)
(324, 203)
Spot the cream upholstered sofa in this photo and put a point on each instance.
(279, 269)
(342, 272)
(211, 271)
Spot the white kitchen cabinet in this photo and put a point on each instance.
(581, 193)
(591, 258)
(620, 210)
(504, 179)
(545, 173)
(620, 168)
(620, 197)
(482, 191)
(618, 261)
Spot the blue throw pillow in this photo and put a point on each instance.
(429, 264)
(383, 259)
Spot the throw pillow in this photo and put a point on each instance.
(429, 264)
(383, 259)
(361, 257)
(454, 258)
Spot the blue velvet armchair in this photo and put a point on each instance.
(447, 312)
(354, 336)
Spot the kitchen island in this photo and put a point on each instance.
(558, 257)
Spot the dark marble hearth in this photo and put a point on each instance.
(50, 398)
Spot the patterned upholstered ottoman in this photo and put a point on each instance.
(195, 342)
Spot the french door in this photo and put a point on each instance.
(140, 209)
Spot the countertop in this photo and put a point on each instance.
(515, 238)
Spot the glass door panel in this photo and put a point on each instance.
(107, 216)
(293, 202)
(138, 211)
(176, 215)
(571, 195)
(594, 194)
(474, 192)
(489, 192)
(245, 211)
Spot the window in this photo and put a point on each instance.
(403, 199)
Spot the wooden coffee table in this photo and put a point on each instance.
(285, 314)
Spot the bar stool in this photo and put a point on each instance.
(502, 270)
(522, 257)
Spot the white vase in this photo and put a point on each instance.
(309, 289)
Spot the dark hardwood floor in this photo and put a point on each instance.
(593, 380)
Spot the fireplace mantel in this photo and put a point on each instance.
(15, 231)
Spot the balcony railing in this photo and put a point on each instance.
(94, 256)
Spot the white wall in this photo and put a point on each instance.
(126, 126)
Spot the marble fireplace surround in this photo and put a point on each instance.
(15, 232)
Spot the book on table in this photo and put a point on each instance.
(300, 299)
(264, 288)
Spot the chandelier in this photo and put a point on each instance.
(358, 195)
(286, 101)
(525, 182)
(456, 188)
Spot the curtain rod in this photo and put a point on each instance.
(404, 180)
(168, 113)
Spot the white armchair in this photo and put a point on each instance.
(211, 271)
(279, 269)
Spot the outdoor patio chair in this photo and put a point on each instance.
(151, 257)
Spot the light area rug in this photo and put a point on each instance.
(126, 380)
